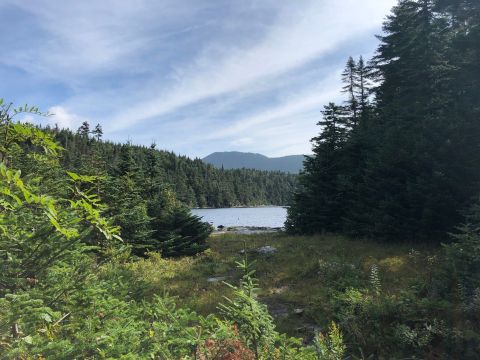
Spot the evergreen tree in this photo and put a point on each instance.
(317, 205)
(127, 164)
(180, 233)
(84, 129)
(153, 182)
(196, 184)
(362, 88)
(349, 77)
(97, 132)
(127, 207)
(406, 178)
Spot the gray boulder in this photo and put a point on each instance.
(267, 250)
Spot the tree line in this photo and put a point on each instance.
(399, 159)
(195, 183)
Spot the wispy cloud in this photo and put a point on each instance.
(194, 76)
(73, 39)
(299, 36)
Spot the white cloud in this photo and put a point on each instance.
(242, 141)
(110, 56)
(286, 111)
(64, 118)
(75, 40)
(28, 119)
(300, 35)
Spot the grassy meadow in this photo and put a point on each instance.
(300, 283)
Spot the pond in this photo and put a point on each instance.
(267, 216)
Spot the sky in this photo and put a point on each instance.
(193, 76)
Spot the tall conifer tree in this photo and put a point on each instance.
(317, 205)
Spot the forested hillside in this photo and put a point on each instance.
(195, 183)
(399, 159)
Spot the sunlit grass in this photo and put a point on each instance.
(303, 273)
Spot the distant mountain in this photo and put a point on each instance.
(236, 160)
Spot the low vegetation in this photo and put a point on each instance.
(389, 300)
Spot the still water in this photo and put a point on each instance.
(272, 216)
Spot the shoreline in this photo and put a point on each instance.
(239, 207)
(247, 230)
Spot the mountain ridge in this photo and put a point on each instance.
(237, 160)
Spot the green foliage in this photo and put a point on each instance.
(317, 206)
(256, 328)
(330, 346)
(39, 229)
(41, 232)
(434, 316)
(180, 233)
(375, 279)
(128, 210)
(67, 289)
(405, 160)
(255, 325)
(463, 256)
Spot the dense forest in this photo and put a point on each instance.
(195, 183)
(399, 159)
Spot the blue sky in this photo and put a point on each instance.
(194, 76)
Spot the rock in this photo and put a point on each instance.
(267, 250)
(242, 252)
(298, 311)
(215, 279)
(279, 290)
(247, 230)
(278, 310)
(301, 329)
